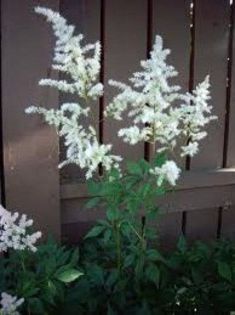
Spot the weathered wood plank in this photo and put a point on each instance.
(210, 57)
(175, 31)
(179, 201)
(202, 224)
(231, 143)
(125, 46)
(228, 223)
(85, 15)
(211, 49)
(30, 146)
(190, 180)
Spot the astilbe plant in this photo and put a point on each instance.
(120, 248)
(15, 235)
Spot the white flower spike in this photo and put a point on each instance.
(9, 304)
(14, 232)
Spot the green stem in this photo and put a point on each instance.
(118, 245)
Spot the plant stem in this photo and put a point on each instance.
(118, 245)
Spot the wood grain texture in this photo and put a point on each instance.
(231, 140)
(211, 49)
(85, 16)
(202, 224)
(176, 37)
(175, 31)
(30, 146)
(125, 46)
(228, 222)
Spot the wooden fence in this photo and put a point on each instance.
(200, 34)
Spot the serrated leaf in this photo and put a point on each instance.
(224, 270)
(134, 168)
(182, 244)
(160, 159)
(95, 231)
(154, 255)
(69, 275)
(92, 202)
(153, 274)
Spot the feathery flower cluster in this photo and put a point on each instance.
(14, 232)
(80, 64)
(160, 113)
(149, 102)
(169, 172)
(195, 114)
(83, 147)
(9, 304)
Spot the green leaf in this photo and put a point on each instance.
(224, 270)
(153, 274)
(111, 311)
(129, 260)
(36, 306)
(112, 214)
(134, 168)
(95, 231)
(154, 255)
(94, 188)
(93, 202)
(160, 159)
(182, 244)
(69, 275)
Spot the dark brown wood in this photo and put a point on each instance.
(190, 180)
(228, 222)
(202, 224)
(175, 31)
(125, 46)
(231, 142)
(30, 146)
(85, 15)
(168, 229)
(211, 41)
(211, 50)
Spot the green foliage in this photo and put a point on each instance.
(197, 279)
(120, 269)
(42, 278)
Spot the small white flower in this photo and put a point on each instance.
(9, 304)
(14, 232)
(169, 171)
(191, 149)
(81, 64)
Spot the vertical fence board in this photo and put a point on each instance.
(30, 146)
(175, 30)
(169, 230)
(202, 224)
(231, 143)
(211, 49)
(210, 57)
(125, 46)
(85, 16)
(228, 223)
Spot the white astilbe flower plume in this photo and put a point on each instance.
(82, 65)
(169, 172)
(9, 304)
(14, 232)
(160, 113)
(149, 101)
(195, 114)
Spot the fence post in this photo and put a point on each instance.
(30, 146)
